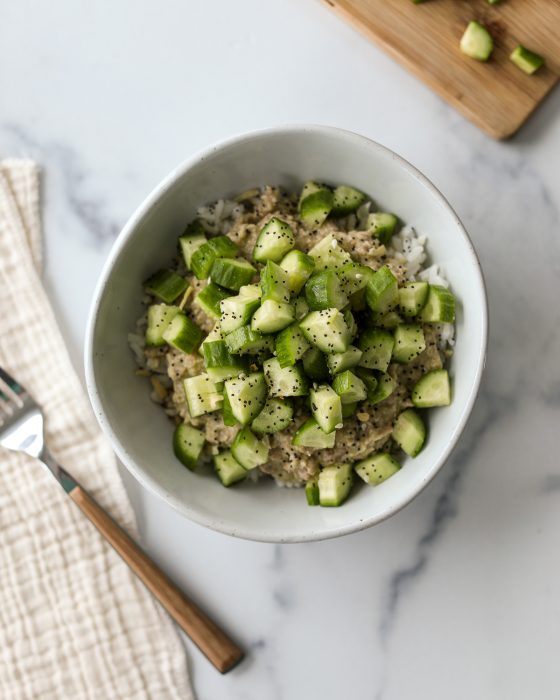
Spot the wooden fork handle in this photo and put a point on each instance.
(209, 638)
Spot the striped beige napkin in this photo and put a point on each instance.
(74, 621)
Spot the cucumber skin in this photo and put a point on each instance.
(422, 395)
(315, 208)
(324, 291)
(193, 438)
(283, 241)
(335, 484)
(159, 318)
(290, 345)
(409, 426)
(166, 285)
(312, 492)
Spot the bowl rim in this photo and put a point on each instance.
(126, 232)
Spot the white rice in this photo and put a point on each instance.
(218, 217)
(407, 245)
(433, 275)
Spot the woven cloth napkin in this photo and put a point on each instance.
(74, 621)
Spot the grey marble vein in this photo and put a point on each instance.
(88, 209)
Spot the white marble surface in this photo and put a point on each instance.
(456, 596)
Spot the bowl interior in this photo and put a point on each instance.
(140, 432)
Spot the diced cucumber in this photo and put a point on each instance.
(432, 389)
(348, 409)
(232, 273)
(354, 277)
(189, 245)
(377, 468)
(299, 268)
(159, 318)
(187, 444)
(308, 188)
(228, 468)
(214, 248)
(272, 316)
(382, 291)
(248, 450)
(166, 285)
(382, 225)
(346, 199)
(335, 483)
(324, 291)
(274, 283)
(528, 61)
(220, 363)
(247, 396)
(275, 240)
(237, 311)
(358, 300)
(202, 395)
(210, 298)
(327, 330)
(440, 306)
(368, 378)
(227, 414)
(412, 297)
(215, 334)
(409, 342)
(351, 324)
(316, 205)
(386, 385)
(409, 432)
(276, 415)
(301, 308)
(290, 345)
(284, 381)
(389, 320)
(329, 254)
(315, 365)
(349, 387)
(310, 434)
(326, 407)
(477, 42)
(376, 346)
(341, 361)
(245, 341)
(183, 333)
(312, 492)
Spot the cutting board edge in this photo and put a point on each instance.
(495, 133)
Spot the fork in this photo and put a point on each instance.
(21, 430)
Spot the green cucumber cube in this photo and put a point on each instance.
(349, 387)
(204, 257)
(377, 468)
(275, 240)
(276, 415)
(209, 299)
(432, 389)
(382, 291)
(315, 365)
(237, 311)
(299, 268)
(246, 395)
(232, 273)
(439, 307)
(166, 285)
(183, 333)
(329, 254)
(272, 316)
(312, 492)
(187, 444)
(412, 297)
(274, 283)
(335, 483)
(409, 342)
(326, 408)
(324, 291)
(528, 61)
(311, 435)
(409, 432)
(377, 347)
(290, 345)
(159, 318)
(245, 341)
(341, 361)
(228, 468)
(346, 200)
(284, 381)
(327, 330)
(477, 42)
(202, 395)
(248, 450)
(382, 225)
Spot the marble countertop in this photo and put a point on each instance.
(457, 595)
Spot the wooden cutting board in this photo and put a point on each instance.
(496, 96)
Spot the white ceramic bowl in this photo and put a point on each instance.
(137, 428)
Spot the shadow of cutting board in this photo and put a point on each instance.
(496, 96)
